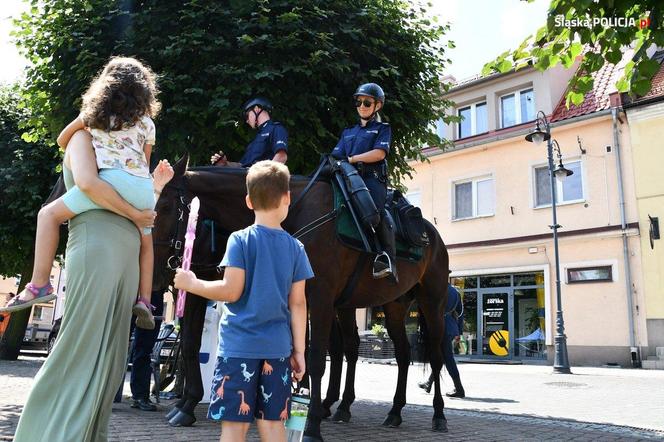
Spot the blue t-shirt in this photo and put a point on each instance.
(257, 326)
(358, 139)
(270, 139)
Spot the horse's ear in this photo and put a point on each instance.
(181, 166)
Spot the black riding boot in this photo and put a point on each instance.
(385, 265)
(426, 385)
(458, 390)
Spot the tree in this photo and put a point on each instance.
(307, 56)
(27, 173)
(600, 30)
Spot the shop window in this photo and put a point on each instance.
(495, 281)
(589, 274)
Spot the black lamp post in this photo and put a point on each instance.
(541, 133)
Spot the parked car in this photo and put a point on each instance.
(53, 334)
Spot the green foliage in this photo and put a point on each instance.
(606, 41)
(27, 174)
(307, 56)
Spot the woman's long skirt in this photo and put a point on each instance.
(73, 393)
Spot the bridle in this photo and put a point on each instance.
(174, 243)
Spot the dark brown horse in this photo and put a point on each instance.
(222, 192)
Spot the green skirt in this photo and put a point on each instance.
(73, 393)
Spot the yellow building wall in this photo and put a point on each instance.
(646, 128)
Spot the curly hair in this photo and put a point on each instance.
(120, 95)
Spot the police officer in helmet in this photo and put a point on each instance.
(368, 143)
(271, 141)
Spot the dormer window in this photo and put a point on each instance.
(517, 107)
(474, 119)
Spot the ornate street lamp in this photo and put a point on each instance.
(541, 133)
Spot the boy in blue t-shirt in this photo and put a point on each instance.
(262, 329)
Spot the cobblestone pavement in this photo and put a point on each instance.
(467, 420)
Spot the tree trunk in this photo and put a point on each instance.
(12, 339)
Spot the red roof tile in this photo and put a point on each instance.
(598, 98)
(657, 84)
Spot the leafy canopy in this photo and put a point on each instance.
(605, 28)
(306, 56)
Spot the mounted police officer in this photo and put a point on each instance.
(271, 141)
(366, 146)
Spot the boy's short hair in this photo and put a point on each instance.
(267, 182)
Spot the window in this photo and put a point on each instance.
(589, 274)
(37, 312)
(474, 120)
(517, 108)
(568, 190)
(473, 198)
(415, 198)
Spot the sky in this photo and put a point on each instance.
(481, 30)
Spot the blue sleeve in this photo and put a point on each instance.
(384, 138)
(279, 139)
(302, 268)
(339, 150)
(234, 256)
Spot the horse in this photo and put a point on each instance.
(221, 192)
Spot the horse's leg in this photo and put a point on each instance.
(192, 329)
(395, 322)
(351, 344)
(322, 315)
(336, 364)
(430, 300)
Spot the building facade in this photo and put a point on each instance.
(490, 198)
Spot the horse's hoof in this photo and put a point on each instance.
(326, 413)
(392, 421)
(341, 416)
(172, 413)
(312, 439)
(439, 424)
(182, 419)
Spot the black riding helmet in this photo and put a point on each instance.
(371, 90)
(261, 102)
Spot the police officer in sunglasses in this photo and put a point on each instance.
(270, 143)
(366, 146)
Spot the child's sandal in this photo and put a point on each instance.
(39, 294)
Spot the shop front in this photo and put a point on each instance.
(504, 315)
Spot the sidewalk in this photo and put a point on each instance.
(515, 403)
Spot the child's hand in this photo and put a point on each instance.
(163, 173)
(298, 365)
(184, 279)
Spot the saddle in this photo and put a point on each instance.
(410, 234)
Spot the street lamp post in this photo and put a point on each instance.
(541, 133)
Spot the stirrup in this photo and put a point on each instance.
(383, 259)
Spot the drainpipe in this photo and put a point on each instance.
(635, 356)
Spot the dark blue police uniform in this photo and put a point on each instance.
(359, 139)
(270, 139)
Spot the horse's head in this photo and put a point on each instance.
(169, 228)
(223, 210)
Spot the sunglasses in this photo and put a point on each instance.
(365, 102)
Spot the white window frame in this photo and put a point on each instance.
(413, 194)
(473, 118)
(559, 184)
(517, 105)
(474, 180)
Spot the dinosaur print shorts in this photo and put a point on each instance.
(244, 389)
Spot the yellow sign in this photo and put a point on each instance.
(499, 343)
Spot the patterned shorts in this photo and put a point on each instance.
(244, 389)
